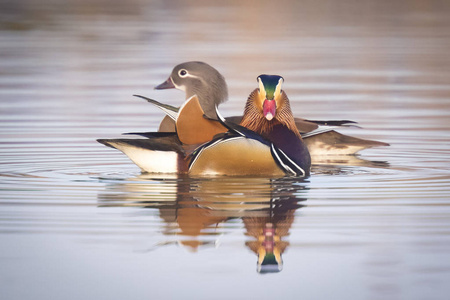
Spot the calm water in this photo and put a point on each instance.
(79, 221)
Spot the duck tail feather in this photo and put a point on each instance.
(170, 110)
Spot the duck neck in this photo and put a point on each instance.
(209, 97)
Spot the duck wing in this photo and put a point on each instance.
(334, 143)
(321, 138)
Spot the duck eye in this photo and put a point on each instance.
(182, 73)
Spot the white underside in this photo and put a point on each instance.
(151, 161)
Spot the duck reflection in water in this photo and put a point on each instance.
(268, 232)
(197, 211)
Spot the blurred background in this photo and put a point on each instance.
(84, 51)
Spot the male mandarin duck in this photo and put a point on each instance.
(267, 142)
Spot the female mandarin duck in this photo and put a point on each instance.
(171, 150)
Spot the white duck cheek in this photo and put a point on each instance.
(179, 87)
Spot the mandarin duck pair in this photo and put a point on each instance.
(266, 141)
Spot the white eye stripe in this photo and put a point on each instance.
(184, 74)
(278, 88)
(181, 86)
(262, 90)
(192, 76)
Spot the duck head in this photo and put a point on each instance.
(268, 106)
(199, 78)
(270, 90)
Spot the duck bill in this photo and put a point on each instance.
(168, 84)
(269, 109)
